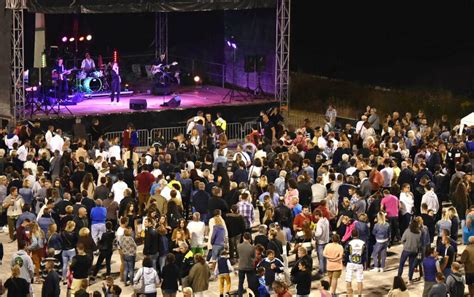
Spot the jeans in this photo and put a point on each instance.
(162, 262)
(103, 255)
(321, 258)
(129, 268)
(380, 249)
(154, 258)
(233, 242)
(252, 281)
(97, 230)
(216, 250)
(67, 258)
(411, 256)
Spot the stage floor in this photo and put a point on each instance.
(191, 97)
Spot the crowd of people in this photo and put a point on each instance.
(203, 210)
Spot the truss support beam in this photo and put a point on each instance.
(282, 53)
(161, 37)
(18, 59)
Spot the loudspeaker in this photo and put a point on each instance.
(173, 102)
(260, 63)
(249, 64)
(137, 104)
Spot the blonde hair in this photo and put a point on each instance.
(84, 232)
(16, 270)
(70, 226)
(69, 209)
(381, 218)
(452, 212)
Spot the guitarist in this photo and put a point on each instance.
(59, 79)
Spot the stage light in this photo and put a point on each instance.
(64, 39)
(197, 79)
(115, 56)
(71, 39)
(229, 44)
(234, 45)
(43, 60)
(81, 38)
(89, 37)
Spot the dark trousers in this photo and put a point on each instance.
(62, 88)
(103, 255)
(394, 228)
(233, 242)
(252, 281)
(115, 90)
(411, 256)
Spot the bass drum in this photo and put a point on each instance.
(92, 85)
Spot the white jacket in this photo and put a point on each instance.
(149, 276)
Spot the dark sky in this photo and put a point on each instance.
(388, 43)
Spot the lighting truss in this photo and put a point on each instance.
(18, 59)
(282, 52)
(161, 31)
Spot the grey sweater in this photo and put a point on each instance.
(246, 256)
(411, 241)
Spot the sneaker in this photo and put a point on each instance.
(375, 269)
(381, 270)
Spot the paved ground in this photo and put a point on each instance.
(375, 284)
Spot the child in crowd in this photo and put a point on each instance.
(262, 286)
(222, 272)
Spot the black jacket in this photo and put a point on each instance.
(201, 201)
(151, 242)
(283, 216)
(235, 224)
(123, 204)
(218, 203)
(106, 242)
(51, 285)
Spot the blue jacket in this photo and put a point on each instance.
(98, 215)
(218, 235)
(55, 242)
(381, 231)
(44, 223)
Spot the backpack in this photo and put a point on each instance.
(457, 288)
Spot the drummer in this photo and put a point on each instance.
(88, 65)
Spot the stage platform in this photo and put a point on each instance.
(116, 116)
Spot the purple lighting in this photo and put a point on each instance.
(64, 39)
(229, 44)
(234, 46)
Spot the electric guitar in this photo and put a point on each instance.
(55, 75)
(161, 68)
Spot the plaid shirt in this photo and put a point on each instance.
(128, 246)
(246, 210)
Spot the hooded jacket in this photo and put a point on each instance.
(149, 276)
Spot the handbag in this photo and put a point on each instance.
(139, 287)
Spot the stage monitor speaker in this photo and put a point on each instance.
(260, 63)
(249, 64)
(138, 104)
(173, 102)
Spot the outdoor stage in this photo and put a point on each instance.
(116, 116)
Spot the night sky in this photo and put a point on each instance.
(387, 43)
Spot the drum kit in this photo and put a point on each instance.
(92, 82)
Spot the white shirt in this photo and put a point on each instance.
(245, 157)
(322, 143)
(156, 172)
(196, 230)
(48, 137)
(118, 188)
(166, 192)
(319, 192)
(32, 166)
(114, 151)
(57, 143)
(431, 199)
(387, 173)
(87, 64)
(10, 141)
(22, 153)
(407, 200)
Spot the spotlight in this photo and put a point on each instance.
(89, 37)
(64, 39)
(115, 56)
(81, 38)
(234, 45)
(71, 39)
(197, 79)
(229, 44)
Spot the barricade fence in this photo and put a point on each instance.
(234, 132)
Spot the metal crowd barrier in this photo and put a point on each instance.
(235, 131)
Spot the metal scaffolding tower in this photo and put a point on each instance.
(282, 52)
(18, 59)
(161, 34)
